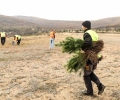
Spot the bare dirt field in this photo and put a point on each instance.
(32, 71)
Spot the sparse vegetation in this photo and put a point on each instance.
(24, 25)
(32, 71)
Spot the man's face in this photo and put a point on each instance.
(83, 28)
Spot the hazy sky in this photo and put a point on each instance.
(61, 9)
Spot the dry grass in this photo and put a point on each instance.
(31, 71)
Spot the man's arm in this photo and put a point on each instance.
(87, 41)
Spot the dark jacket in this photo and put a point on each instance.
(87, 41)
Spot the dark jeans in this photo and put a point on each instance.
(90, 76)
(3, 39)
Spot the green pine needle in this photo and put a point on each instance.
(72, 45)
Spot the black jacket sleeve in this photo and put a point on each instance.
(87, 41)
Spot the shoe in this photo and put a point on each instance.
(87, 93)
(101, 89)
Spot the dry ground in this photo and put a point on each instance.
(32, 71)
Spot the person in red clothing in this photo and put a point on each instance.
(52, 39)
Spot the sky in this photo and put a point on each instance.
(75, 10)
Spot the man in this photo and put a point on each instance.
(52, 39)
(17, 38)
(3, 37)
(89, 37)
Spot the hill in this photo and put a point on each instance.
(16, 25)
(32, 25)
(52, 24)
(112, 21)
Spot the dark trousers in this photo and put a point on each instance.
(3, 39)
(89, 76)
(18, 42)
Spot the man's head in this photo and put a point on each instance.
(86, 24)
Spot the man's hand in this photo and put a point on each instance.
(82, 51)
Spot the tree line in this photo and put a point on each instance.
(29, 30)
